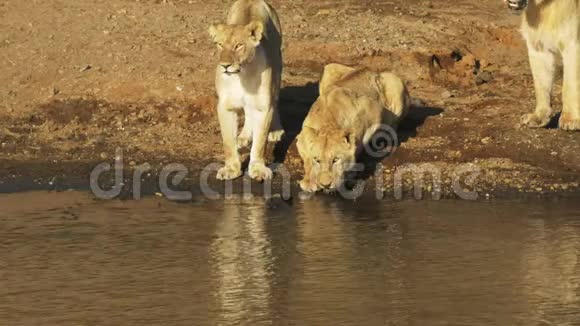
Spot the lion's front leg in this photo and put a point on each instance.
(276, 129)
(570, 119)
(245, 137)
(228, 119)
(308, 183)
(261, 113)
(542, 64)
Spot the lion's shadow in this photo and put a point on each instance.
(294, 105)
(372, 156)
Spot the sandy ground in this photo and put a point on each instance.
(80, 79)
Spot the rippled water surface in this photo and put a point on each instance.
(67, 259)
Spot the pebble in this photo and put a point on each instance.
(486, 76)
(446, 94)
(486, 140)
(85, 68)
(483, 78)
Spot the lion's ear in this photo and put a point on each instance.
(215, 30)
(256, 31)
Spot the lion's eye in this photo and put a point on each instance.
(219, 45)
(316, 160)
(239, 46)
(336, 160)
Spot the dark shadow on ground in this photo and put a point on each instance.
(553, 124)
(294, 105)
(374, 155)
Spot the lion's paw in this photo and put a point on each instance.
(567, 122)
(229, 173)
(260, 172)
(275, 136)
(534, 121)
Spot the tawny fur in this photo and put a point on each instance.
(552, 27)
(353, 105)
(248, 78)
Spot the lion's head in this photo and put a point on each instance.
(332, 152)
(236, 44)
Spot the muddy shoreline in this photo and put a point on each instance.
(202, 185)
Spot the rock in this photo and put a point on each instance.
(446, 94)
(486, 140)
(85, 68)
(323, 12)
(483, 78)
(469, 60)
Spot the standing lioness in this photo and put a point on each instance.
(552, 27)
(248, 77)
(353, 105)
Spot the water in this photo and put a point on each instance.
(70, 260)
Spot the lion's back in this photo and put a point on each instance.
(242, 12)
(353, 98)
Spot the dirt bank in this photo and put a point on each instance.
(79, 80)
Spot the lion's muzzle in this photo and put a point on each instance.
(325, 181)
(229, 68)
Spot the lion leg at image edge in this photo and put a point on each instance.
(543, 65)
(570, 118)
(228, 120)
